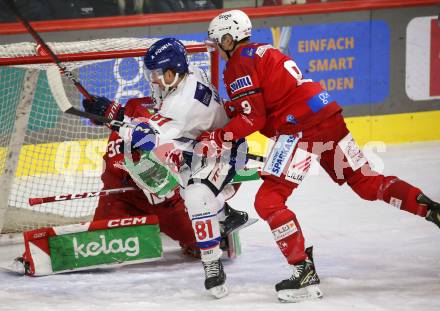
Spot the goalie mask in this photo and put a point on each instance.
(166, 54)
(235, 23)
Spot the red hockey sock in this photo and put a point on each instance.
(403, 196)
(287, 234)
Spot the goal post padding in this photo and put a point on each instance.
(90, 245)
(44, 152)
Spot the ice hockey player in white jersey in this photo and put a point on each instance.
(189, 105)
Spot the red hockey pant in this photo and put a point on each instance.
(322, 140)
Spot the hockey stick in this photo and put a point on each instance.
(76, 196)
(48, 50)
(106, 192)
(57, 88)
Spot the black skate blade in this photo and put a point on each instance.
(248, 223)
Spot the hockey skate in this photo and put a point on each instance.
(229, 228)
(303, 284)
(215, 278)
(433, 213)
(234, 220)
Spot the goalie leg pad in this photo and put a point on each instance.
(92, 245)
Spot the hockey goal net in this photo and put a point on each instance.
(44, 152)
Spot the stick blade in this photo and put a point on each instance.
(57, 88)
(35, 201)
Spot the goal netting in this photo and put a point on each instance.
(44, 152)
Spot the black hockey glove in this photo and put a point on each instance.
(104, 107)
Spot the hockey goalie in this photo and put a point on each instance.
(126, 226)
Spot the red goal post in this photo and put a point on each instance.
(44, 152)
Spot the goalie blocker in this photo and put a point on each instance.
(90, 245)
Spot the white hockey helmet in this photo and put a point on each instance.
(234, 22)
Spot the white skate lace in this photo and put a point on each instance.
(297, 271)
(212, 268)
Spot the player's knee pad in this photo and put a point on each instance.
(227, 193)
(200, 199)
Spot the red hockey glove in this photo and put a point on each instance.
(139, 107)
(213, 143)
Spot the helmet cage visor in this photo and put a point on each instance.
(154, 75)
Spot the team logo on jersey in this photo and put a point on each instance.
(248, 52)
(319, 101)
(240, 83)
(203, 94)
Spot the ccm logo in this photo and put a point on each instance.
(127, 221)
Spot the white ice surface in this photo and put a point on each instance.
(369, 256)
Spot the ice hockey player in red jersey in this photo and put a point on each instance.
(269, 94)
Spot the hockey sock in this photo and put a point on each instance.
(287, 234)
(402, 195)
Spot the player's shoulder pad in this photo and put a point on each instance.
(203, 93)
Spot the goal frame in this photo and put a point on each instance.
(26, 99)
(85, 56)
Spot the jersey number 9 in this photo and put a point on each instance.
(294, 71)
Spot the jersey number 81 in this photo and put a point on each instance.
(203, 229)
